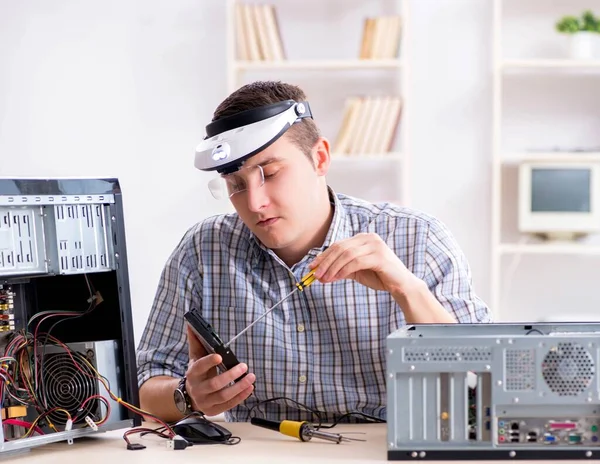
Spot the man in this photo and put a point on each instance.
(378, 267)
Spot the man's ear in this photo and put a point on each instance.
(322, 156)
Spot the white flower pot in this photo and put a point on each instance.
(583, 44)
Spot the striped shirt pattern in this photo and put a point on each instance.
(324, 347)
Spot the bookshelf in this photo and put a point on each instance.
(368, 58)
(540, 99)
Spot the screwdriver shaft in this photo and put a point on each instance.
(259, 318)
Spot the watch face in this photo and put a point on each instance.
(180, 401)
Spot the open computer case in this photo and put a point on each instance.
(66, 334)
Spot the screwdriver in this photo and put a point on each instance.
(303, 431)
(307, 280)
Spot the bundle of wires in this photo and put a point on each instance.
(22, 379)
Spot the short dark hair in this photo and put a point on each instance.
(303, 134)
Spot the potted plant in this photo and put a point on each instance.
(584, 33)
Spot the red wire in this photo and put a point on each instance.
(104, 400)
(21, 423)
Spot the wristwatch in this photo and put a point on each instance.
(182, 399)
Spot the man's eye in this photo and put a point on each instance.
(270, 174)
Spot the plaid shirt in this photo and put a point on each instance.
(323, 347)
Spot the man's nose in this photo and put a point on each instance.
(257, 197)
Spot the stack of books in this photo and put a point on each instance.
(381, 38)
(369, 126)
(257, 33)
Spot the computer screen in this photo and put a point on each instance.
(559, 199)
(560, 190)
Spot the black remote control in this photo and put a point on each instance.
(211, 341)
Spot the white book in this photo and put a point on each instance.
(241, 40)
(251, 33)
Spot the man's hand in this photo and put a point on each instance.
(367, 259)
(211, 393)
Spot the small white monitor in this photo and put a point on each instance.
(559, 199)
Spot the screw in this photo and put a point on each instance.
(413, 454)
(512, 454)
(588, 454)
(422, 454)
(488, 367)
(391, 352)
(412, 368)
(499, 382)
(113, 218)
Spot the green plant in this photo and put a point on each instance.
(572, 24)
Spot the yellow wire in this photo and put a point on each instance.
(27, 379)
(114, 397)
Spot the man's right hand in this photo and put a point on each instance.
(211, 393)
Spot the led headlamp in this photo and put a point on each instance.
(232, 140)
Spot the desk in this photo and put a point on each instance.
(257, 446)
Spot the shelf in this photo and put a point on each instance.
(515, 158)
(367, 157)
(318, 65)
(367, 175)
(550, 64)
(549, 248)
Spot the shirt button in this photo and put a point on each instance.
(302, 379)
(300, 328)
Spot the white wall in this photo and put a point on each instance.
(120, 89)
(451, 122)
(125, 89)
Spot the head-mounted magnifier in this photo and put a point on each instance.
(232, 140)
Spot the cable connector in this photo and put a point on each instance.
(97, 297)
(91, 423)
(135, 446)
(177, 443)
(68, 428)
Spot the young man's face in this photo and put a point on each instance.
(278, 212)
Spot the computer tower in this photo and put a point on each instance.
(66, 333)
(509, 391)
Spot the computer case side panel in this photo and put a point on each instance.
(128, 340)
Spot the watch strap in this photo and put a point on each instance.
(188, 401)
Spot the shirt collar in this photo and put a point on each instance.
(338, 230)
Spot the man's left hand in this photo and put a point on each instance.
(365, 258)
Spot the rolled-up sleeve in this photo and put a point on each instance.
(448, 277)
(163, 349)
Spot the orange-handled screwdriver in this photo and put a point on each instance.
(307, 280)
